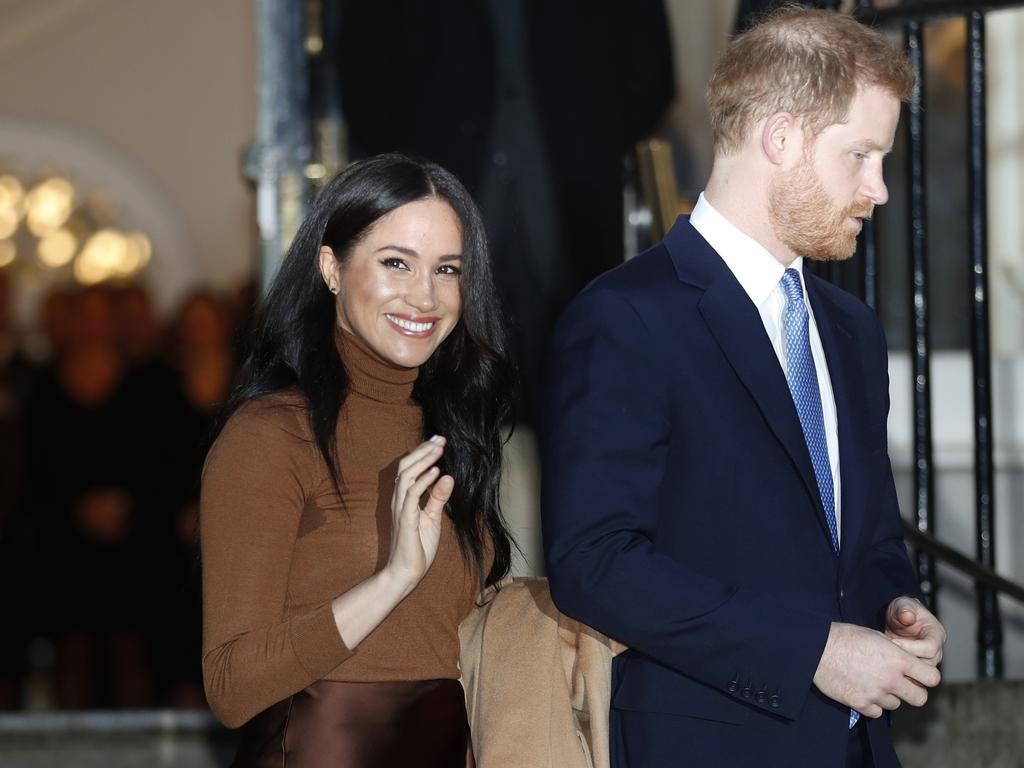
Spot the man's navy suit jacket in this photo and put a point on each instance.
(681, 515)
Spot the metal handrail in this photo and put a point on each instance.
(980, 574)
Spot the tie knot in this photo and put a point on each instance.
(791, 285)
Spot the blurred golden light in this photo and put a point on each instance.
(49, 205)
(314, 44)
(12, 202)
(60, 222)
(315, 171)
(101, 257)
(12, 194)
(57, 249)
(11, 191)
(86, 272)
(141, 247)
(105, 248)
(8, 250)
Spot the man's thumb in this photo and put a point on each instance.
(905, 612)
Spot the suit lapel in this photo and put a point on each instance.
(847, 376)
(736, 326)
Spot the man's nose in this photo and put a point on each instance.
(874, 188)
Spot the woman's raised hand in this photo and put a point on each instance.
(415, 534)
(415, 529)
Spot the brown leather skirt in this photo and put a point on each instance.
(412, 724)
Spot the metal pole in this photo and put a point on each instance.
(924, 482)
(990, 632)
(276, 162)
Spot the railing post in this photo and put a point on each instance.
(924, 482)
(990, 631)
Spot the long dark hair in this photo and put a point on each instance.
(464, 389)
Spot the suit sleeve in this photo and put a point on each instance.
(606, 438)
(251, 501)
(888, 573)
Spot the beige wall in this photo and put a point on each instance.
(166, 88)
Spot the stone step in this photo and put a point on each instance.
(964, 725)
(97, 739)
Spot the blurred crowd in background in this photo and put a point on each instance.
(104, 424)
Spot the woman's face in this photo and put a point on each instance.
(399, 290)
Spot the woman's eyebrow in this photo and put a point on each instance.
(399, 248)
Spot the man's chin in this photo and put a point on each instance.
(830, 257)
(834, 252)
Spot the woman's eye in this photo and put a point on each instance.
(449, 269)
(392, 262)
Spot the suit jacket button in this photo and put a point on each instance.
(746, 693)
(761, 697)
(732, 686)
(773, 702)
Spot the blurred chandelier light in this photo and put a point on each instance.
(49, 221)
(101, 256)
(138, 251)
(48, 206)
(12, 200)
(57, 249)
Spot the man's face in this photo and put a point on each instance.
(817, 208)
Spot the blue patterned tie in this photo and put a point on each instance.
(803, 386)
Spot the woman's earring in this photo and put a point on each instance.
(333, 289)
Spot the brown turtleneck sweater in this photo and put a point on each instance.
(278, 546)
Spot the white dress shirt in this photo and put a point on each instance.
(760, 274)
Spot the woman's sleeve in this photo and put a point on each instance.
(255, 484)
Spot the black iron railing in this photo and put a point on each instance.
(924, 478)
(990, 633)
(913, 14)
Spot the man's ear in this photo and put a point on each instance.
(329, 268)
(780, 137)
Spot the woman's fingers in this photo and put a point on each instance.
(414, 536)
(414, 464)
(421, 450)
(439, 495)
(411, 503)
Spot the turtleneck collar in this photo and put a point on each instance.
(370, 376)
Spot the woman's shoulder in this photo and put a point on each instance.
(285, 408)
(266, 425)
(262, 464)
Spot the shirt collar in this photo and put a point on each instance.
(756, 270)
